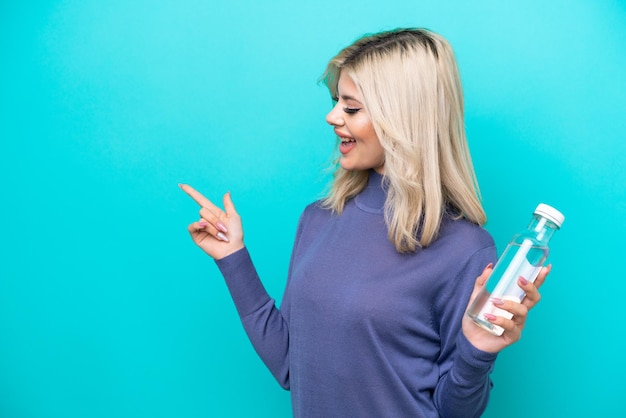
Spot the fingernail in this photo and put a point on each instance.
(221, 227)
(490, 265)
(497, 301)
(202, 224)
(222, 237)
(489, 317)
(523, 281)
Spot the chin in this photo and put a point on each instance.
(345, 166)
(348, 166)
(356, 167)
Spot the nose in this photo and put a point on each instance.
(334, 117)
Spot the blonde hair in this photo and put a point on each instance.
(410, 85)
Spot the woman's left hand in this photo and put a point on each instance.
(484, 340)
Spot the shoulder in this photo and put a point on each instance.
(315, 211)
(464, 249)
(314, 215)
(316, 206)
(460, 241)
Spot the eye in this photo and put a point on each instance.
(351, 110)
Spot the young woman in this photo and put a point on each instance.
(372, 319)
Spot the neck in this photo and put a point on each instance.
(372, 198)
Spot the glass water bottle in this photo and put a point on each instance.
(523, 257)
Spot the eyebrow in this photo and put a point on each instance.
(346, 97)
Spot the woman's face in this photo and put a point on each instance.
(360, 148)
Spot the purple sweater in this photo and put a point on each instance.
(364, 331)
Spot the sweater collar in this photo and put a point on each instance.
(372, 198)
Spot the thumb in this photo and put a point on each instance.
(481, 280)
(229, 207)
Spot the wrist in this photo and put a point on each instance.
(229, 251)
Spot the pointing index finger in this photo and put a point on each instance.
(198, 197)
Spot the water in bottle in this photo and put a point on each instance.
(523, 257)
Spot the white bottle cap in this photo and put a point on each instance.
(550, 213)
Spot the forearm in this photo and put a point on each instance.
(262, 321)
(464, 390)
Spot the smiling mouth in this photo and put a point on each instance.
(346, 145)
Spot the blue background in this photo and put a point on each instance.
(107, 309)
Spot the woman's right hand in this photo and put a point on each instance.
(218, 233)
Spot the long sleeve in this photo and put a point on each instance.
(262, 320)
(463, 390)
